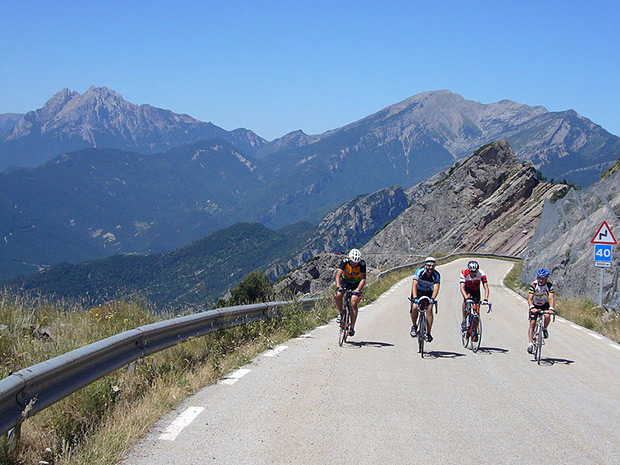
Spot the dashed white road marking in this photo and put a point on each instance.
(324, 326)
(577, 327)
(275, 351)
(595, 336)
(303, 336)
(235, 376)
(615, 346)
(180, 423)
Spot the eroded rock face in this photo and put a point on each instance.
(349, 226)
(491, 203)
(562, 244)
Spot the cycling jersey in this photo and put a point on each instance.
(352, 274)
(426, 282)
(472, 280)
(541, 293)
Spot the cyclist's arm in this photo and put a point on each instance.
(464, 293)
(552, 300)
(486, 290)
(530, 300)
(362, 283)
(338, 276)
(435, 291)
(414, 288)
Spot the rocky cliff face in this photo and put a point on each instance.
(562, 241)
(490, 203)
(349, 226)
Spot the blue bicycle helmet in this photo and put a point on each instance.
(542, 273)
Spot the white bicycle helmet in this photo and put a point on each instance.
(355, 255)
(473, 266)
(430, 260)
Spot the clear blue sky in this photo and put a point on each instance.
(278, 66)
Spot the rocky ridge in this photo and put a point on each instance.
(490, 203)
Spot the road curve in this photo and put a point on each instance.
(376, 401)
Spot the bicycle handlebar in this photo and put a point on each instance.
(481, 303)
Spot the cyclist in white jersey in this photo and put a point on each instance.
(541, 296)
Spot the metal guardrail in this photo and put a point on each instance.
(28, 391)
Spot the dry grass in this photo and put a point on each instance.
(97, 424)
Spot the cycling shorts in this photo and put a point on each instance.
(534, 311)
(348, 286)
(475, 294)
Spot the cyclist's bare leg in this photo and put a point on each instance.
(414, 315)
(429, 317)
(338, 298)
(354, 302)
(530, 331)
(547, 320)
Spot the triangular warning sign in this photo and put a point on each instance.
(604, 235)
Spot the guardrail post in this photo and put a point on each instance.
(14, 435)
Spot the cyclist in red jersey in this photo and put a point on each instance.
(470, 281)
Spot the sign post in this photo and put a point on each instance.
(603, 241)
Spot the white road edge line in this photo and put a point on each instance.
(615, 346)
(275, 351)
(180, 423)
(595, 336)
(235, 376)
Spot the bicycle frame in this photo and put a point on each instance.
(472, 336)
(539, 340)
(423, 304)
(345, 317)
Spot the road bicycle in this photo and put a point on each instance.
(345, 317)
(539, 334)
(472, 334)
(422, 328)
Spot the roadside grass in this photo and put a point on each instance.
(99, 423)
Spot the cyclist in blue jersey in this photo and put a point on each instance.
(426, 282)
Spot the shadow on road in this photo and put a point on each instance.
(492, 350)
(441, 354)
(552, 361)
(370, 343)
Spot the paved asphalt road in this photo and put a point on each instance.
(375, 401)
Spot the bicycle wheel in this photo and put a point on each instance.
(465, 334)
(538, 343)
(344, 323)
(476, 333)
(421, 334)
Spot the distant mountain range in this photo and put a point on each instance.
(102, 118)
(150, 181)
